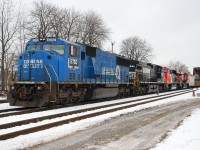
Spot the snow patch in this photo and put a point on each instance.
(48, 135)
(185, 137)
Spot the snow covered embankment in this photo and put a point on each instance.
(185, 137)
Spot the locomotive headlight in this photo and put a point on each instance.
(12, 87)
(39, 88)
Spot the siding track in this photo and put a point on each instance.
(107, 109)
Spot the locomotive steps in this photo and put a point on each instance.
(83, 114)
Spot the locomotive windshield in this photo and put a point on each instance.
(33, 47)
(59, 48)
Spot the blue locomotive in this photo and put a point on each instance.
(52, 71)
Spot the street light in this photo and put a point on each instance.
(112, 43)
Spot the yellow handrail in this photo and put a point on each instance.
(49, 78)
(55, 74)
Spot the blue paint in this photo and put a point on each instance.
(65, 61)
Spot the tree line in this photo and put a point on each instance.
(47, 20)
(69, 24)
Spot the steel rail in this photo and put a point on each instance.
(20, 111)
(3, 101)
(34, 120)
(66, 121)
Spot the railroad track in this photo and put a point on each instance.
(20, 111)
(3, 101)
(108, 108)
(12, 109)
(26, 110)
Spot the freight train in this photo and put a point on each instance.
(53, 71)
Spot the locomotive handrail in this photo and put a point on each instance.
(49, 78)
(56, 75)
(45, 69)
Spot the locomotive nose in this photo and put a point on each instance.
(32, 66)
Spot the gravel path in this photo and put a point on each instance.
(135, 131)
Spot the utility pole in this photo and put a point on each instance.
(112, 43)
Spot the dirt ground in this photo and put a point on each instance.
(135, 131)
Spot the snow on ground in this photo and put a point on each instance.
(7, 106)
(4, 105)
(33, 115)
(3, 97)
(185, 137)
(61, 131)
(61, 110)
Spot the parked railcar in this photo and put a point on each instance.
(196, 74)
(191, 81)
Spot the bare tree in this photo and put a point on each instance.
(57, 21)
(93, 30)
(23, 33)
(40, 23)
(178, 66)
(71, 24)
(136, 49)
(9, 25)
(50, 20)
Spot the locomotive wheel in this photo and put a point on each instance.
(169, 86)
(76, 100)
(65, 102)
(88, 94)
(12, 98)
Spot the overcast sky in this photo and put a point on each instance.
(172, 27)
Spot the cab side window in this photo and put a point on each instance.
(74, 51)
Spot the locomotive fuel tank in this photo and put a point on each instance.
(104, 93)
